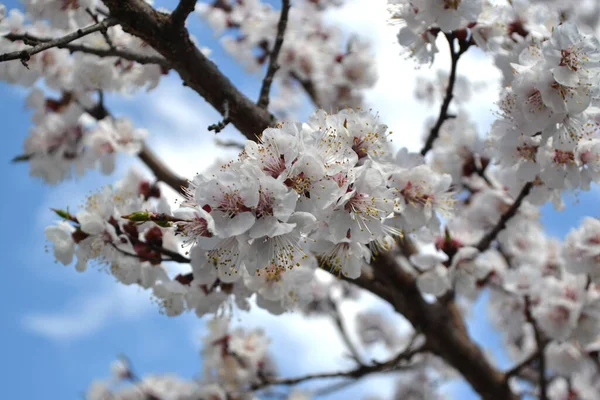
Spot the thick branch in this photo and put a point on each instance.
(160, 170)
(263, 99)
(443, 115)
(487, 240)
(74, 47)
(25, 55)
(444, 329)
(199, 73)
(182, 11)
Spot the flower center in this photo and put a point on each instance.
(535, 101)
(564, 157)
(70, 5)
(569, 59)
(197, 227)
(265, 204)
(336, 256)
(452, 4)
(413, 194)
(271, 273)
(527, 152)
(274, 166)
(232, 204)
(300, 183)
(362, 204)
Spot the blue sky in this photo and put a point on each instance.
(62, 329)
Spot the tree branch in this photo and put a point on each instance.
(516, 370)
(541, 342)
(161, 171)
(443, 115)
(487, 240)
(444, 329)
(263, 99)
(390, 365)
(182, 11)
(25, 55)
(103, 31)
(309, 88)
(199, 73)
(73, 48)
(339, 323)
(230, 144)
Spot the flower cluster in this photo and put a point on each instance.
(310, 55)
(326, 192)
(98, 232)
(330, 188)
(423, 20)
(61, 140)
(548, 131)
(233, 360)
(62, 14)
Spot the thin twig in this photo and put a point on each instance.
(229, 144)
(390, 365)
(103, 31)
(487, 240)
(21, 158)
(174, 256)
(25, 55)
(263, 99)
(182, 11)
(542, 342)
(309, 88)
(339, 323)
(443, 115)
(74, 48)
(516, 370)
(327, 390)
(134, 255)
(219, 126)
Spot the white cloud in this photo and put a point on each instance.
(177, 120)
(392, 97)
(89, 314)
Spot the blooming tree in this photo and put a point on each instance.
(312, 214)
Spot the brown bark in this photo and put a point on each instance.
(199, 73)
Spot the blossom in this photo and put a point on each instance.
(419, 194)
(582, 248)
(434, 278)
(346, 257)
(571, 54)
(230, 197)
(361, 211)
(64, 246)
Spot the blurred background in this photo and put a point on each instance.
(62, 329)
